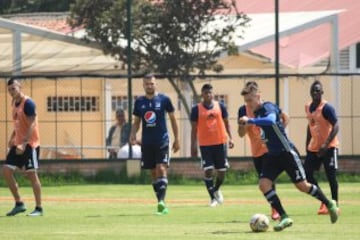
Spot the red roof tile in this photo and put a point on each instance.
(308, 47)
(56, 22)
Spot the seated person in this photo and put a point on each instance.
(118, 134)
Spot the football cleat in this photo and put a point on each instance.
(284, 223)
(333, 211)
(213, 203)
(162, 209)
(218, 196)
(323, 210)
(17, 209)
(36, 213)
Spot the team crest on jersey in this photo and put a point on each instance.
(262, 135)
(210, 116)
(150, 118)
(157, 105)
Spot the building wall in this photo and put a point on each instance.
(81, 134)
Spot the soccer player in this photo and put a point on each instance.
(211, 130)
(258, 147)
(282, 156)
(321, 140)
(150, 109)
(24, 145)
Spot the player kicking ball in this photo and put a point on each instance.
(282, 156)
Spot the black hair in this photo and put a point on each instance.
(247, 84)
(316, 82)
(206, 86)
(11, 81)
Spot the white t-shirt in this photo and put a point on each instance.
(115, 141)
(124, 151)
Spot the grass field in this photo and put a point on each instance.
(127, 212)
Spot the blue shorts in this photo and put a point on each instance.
(28, 160)
(153, 154)
(214, 156)
(290, 162)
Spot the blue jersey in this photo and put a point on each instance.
(273, 131)
(153, 117)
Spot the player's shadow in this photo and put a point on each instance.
(224, 232)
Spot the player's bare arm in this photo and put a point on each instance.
(324, 146)
(194, 145)
(11, 140)
(176, 144)
(285, 119)
(242, 129)
(134, 129)
(227, 127)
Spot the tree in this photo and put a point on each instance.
(27, 6)
(176, 38)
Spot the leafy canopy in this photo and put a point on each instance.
(169, 36)
(30, 6)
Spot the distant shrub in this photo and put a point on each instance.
(233, 177)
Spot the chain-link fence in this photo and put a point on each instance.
(75, 113)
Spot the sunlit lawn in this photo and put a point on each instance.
(127, 212)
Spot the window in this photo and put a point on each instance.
(357, 56)
(73, 104)
(344, 60)
(354, 57)
(120, 102)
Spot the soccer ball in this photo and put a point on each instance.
(259, 222)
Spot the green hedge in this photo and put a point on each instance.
(109, 177)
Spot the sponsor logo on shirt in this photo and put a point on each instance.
(150, 118)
